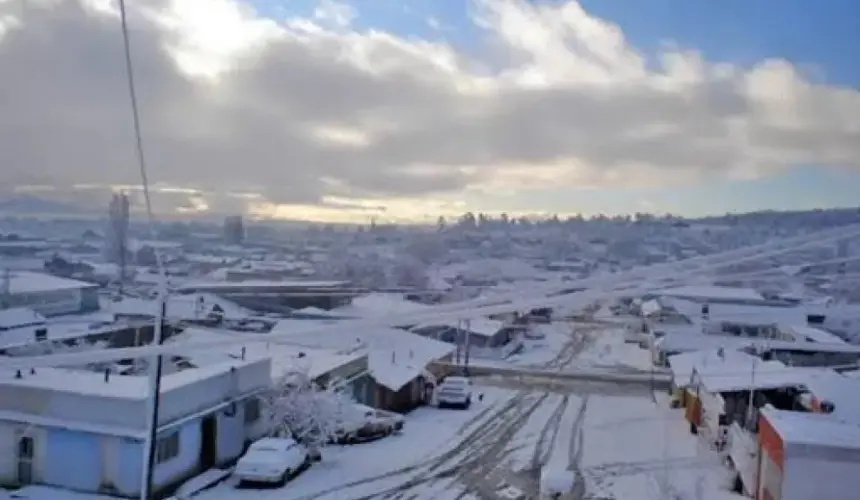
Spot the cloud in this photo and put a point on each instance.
(300, 112)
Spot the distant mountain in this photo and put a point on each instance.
(34, 205)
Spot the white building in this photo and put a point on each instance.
(86, 431)
(46, 294)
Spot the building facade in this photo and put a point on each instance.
(48, 295)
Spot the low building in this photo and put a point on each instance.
(806, 455)
(46, 294)
(479, 337)
(278, 295)
(86, 431)
(398, 363)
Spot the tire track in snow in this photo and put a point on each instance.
(489, 458)
(546, 440)
(440, 466)
(434, 463)
(576, 447)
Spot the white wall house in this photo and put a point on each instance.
(83, 431)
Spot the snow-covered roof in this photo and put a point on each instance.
(91, 383)
(484, 327)
(840, 390)
(19, 316)
(33, 282)
(286, 356)
(380, 304)
(680, 339)
(708, 360)
(703, 292)
(816, 429)
(810, 334)
(752, 373)
(395, 356)
(747, 314)
(193, 306)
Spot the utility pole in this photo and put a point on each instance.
(6, 291)
(751, 402)
(155, 366)
(468, 326)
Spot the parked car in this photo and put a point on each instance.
(366, 424)
(273, 460)
(454, 392)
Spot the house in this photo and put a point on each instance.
(757, 456)
(400, 364)
(722, 386)
(48, 295)
(86, 431)
(806, 455)
(347, 367)
(479, 337)
(403, 367)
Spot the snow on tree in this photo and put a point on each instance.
(408, 271)
(296, 406)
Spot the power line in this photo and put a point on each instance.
(155, 365)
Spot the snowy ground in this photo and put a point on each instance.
(571, 346)
(622, 444)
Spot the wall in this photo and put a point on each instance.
(743, 450)
(66, 406)
(73, 460)
(50, 302)
(820, 479)
(9, 434)
(130, 459)
(231, 434)
(219, 387)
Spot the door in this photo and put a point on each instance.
(209, 443)
(26, 452)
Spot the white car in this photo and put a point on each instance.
(363, 423)
(273, 461)
(454, 392)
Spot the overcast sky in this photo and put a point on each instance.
(321, 110)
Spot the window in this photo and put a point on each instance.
(167, 448)
(252, 410)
